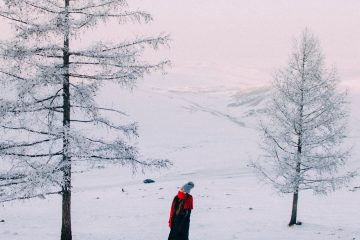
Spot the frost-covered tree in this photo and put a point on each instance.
(305, 126)
(47, 105)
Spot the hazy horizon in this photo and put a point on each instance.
(249, 37)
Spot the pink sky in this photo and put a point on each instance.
(249, 34)
(258, 33)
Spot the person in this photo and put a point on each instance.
(179, 221)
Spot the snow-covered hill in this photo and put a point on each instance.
(209, 133)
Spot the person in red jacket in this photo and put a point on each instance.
(179, 221)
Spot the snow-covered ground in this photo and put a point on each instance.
(209, 133)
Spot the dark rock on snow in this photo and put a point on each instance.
(149, 180)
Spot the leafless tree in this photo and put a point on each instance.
(47, 107)
(305, 126)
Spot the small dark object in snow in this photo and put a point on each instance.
(122, 190)
(97, 197)
(161, 188)
(298, 223)
(250, 208)
(2, 220)
(149, 180)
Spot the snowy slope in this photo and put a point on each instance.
(209, 132)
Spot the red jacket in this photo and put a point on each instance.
(188, 204)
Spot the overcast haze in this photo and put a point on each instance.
(258, 33)
(249, 38)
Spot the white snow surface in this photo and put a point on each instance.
(208, 130)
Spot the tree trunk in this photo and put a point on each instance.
(294, 209)
(296, 192)
(66, 216)
(298, 170)
(66, 189)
